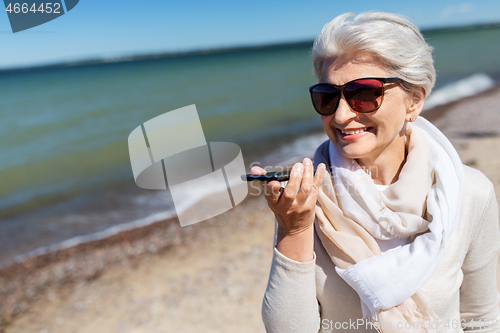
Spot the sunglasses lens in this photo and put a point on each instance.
(325, 99)
(364, 95)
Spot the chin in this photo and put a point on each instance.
(352, 152)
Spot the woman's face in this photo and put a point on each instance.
(383, 130)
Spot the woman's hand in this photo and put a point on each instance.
(294, 208)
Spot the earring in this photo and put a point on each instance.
(412, 119)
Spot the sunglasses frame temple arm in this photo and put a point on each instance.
(393, 80)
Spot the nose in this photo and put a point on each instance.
(344, 112)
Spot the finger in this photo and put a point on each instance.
(306, 185)
(293, 186)
(318, 177)
(273, 192)
(256, 170)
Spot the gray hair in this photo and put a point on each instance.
(392, 38)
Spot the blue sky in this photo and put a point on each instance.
(109, 28)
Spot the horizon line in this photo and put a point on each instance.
(137, 57)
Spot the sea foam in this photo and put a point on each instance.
(468, 86)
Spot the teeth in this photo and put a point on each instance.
(354, 132)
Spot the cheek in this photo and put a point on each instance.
(390, 127)
(329, 130)
(390, 121)
(326, 120)
(395, 116)
(327, 124)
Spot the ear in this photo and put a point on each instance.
(415, 103)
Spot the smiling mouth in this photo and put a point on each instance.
(354, 131)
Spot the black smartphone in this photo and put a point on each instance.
(276, 175)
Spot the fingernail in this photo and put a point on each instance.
(306, 161)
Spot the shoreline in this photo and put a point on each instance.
(440, 111)
(92, 238)
(54, 277)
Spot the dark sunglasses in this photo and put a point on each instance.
(362, 95)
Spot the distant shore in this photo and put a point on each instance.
(125, 58)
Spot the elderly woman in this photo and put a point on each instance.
(392, 233)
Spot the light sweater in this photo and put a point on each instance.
(311, 296)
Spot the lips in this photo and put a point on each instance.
(352, 133)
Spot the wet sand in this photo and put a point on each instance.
(208, 277)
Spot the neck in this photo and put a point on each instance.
(385, 167)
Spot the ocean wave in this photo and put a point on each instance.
(468, 86)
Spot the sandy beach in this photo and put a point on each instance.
(208, 277)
